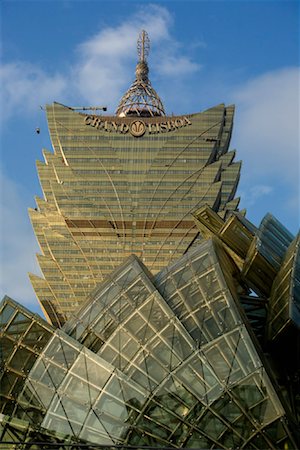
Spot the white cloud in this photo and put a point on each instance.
(267, 124)
(18, 245)
(177, 66)
(24, 86)
(107, 61)
(267, 139)
(103, 68)
(255, 193)
(120, 42)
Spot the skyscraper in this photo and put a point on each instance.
(123, 184)
(175, 321)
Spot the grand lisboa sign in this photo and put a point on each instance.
(136, 128)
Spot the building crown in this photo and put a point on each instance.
(141, 99)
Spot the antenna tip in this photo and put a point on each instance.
(143, 45)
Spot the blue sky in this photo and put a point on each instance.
(202, 53)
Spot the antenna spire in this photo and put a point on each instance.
(143, 46)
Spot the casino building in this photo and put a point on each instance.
(172, 320)
(125, 184)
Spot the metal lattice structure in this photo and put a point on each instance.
(141, 99)
(168, 361)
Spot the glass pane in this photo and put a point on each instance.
(18, 326)
(5, 315)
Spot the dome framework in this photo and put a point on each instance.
(141, 99)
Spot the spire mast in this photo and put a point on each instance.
(143, 46)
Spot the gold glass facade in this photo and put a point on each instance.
(116, 186)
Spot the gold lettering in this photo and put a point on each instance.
(88, 120)
(153, 128)
(188, 122)
(96, 122)
(124, 128)
(100, 124)
(170, 125)
(179, 123)
(162, 127)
